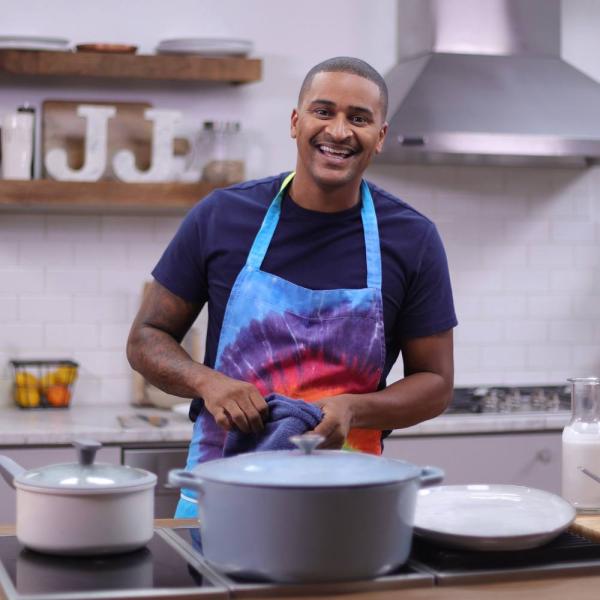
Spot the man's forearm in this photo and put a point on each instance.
(415, 398)
(164, 363)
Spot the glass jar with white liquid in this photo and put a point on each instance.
(581, 447)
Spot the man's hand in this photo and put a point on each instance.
(234, 403)
(337, 418)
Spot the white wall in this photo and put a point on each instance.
(523, 244)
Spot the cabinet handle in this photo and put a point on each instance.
(544, 456)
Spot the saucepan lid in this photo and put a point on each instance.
(85, 476)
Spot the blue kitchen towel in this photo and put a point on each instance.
(287, 417)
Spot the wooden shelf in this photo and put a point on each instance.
(99, 196)
(130, 66)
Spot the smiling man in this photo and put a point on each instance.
(316, 280)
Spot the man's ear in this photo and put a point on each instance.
(293, 123)
(382, 133)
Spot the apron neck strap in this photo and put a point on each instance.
(369, 219)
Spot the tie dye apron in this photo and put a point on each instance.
(302, 343)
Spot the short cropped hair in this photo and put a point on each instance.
(348, 64)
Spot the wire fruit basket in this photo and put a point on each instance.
(43, 383)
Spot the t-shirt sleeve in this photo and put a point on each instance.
(428, 306)
(181, 268)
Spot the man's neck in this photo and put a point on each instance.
(308, 194)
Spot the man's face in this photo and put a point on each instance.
(338, 126)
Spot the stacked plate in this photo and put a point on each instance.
(29, 42)
(205, 46)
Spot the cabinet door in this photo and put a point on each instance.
(532, 458)
(30, 458)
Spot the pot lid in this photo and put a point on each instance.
(86, 477)
(307, 468)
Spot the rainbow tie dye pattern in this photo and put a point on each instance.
(301, 343)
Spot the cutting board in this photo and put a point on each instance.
(127, 130)
(587, 526)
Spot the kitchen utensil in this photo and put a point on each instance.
(491, 517)
(107, 48)
(181, 409)
(589, 474)
(82, 508)
(154, 420)
(306, 515)
(581, 445)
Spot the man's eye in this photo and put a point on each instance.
(358, 120)
(322, 112)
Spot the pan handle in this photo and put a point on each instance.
(431, 476)
(9, 469)
(181, 478)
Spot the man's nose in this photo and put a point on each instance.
(338, 128)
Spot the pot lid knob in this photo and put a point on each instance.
(307, 442)
(86, 450)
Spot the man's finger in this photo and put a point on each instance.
(252, 415)
(238, 417)
(222, 420)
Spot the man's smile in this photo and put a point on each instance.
(334, 151)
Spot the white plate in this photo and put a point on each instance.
(206, 46)
(30, 42)
(181, 409)
(491, 517)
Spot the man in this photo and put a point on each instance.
(314, 282)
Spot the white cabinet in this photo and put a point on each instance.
(528, 458)
(31, 458)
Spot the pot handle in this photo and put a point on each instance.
(9, 469)
(431, 476)
(184, 479)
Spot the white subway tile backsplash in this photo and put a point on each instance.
(546, 356)
(103, 363)
(586, 307)
(503, 356)
(8, 308)
(503, 306)
(550, 255)
(101, 309)
(527, 331)
(41, 253)
(586, 255)
(570, 281)
(572, 332)
(72, 336)
(20, 280)
(116, 280)
(521, 281)
(573, 231)
(74, 280)
(131, 228)
(45, 309)
(8, 253)
(586, 359)
(497, 255)
(99, 254)
(144, 256)
(73, 228)
(22, 227)
(165, 229)
(548, 307)
(114, 336)
(476, 281)
(17, 336)
(116, 390)
(479, 332)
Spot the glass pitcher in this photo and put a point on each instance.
(581, 447)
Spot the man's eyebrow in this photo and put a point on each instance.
(362, 109)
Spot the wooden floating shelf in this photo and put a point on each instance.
(104, 196)
(131, 66)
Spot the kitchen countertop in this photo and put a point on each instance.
(558, 588)
(59, 426)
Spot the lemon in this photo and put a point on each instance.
(26, 379)
(65, 375)
(27, 397)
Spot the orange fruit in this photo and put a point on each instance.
(58, 395)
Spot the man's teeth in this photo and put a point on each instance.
(335, 152)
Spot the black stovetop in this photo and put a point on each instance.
(160, 568)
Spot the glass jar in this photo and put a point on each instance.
(581, 447)
(220, 153)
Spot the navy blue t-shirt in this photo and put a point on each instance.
(315, 250)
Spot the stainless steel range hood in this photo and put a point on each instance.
(492, 89)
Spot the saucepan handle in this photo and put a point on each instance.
(9, 469)
(184, 479)
(431, 476)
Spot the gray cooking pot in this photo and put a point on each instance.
(305, 515)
